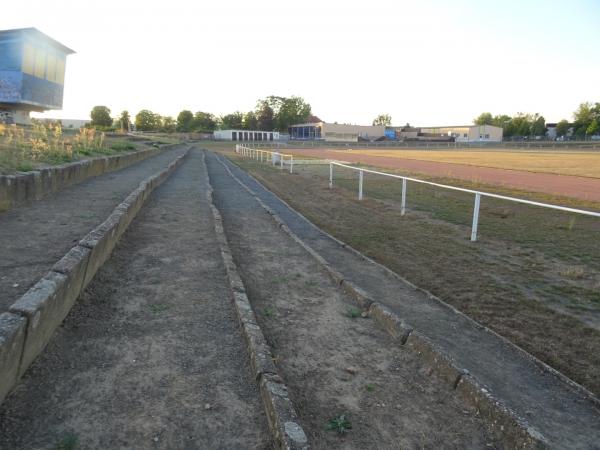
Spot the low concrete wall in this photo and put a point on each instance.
(30, 323)
(22, 188)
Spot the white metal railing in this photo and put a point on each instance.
(478, 194)
(260, 154)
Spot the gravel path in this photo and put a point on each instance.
(332, 363)
(37, 235)
(561, 414)
(151, 356)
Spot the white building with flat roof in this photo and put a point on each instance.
(245, 135)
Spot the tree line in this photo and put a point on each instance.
(586, 123)
(272, 113)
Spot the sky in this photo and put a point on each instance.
(426, 62)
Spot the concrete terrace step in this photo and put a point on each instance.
(564, 416)
(34, 237)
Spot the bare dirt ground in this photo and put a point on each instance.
(151, 356)
(33, 237)
(563, 185)
(334, 364)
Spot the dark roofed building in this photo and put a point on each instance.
(32, 73)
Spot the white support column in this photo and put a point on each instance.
(360, 184)
(330, 175)
(281, 161)
(291, 163)
(475, 217)
(403, 204)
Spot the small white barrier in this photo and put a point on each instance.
(478, 195)
(277, 158)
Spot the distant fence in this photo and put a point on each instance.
(477, 200)
(507, 145)
(260, 155)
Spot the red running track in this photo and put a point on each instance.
(565, 185)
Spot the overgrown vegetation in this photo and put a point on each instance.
(22, 149)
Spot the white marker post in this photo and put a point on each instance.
(475, 217)
(403, 204)
(360, 184)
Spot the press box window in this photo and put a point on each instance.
(51, 68)
(28, 59)
(40, 64)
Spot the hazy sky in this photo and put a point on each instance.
(427, 62)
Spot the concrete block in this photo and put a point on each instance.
(12, 341)
(101, 242)
(281, 416)
(514, 431)
(45, 308)
(390, 322)
(7, 186)
(24, 190)
(73, 265)
(261, 358)
(435, 357)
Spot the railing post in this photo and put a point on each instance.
(273, 158)
(360, 184)
(475, 217)
(330, 175)
(291, 163)
(281, 161)
(403, 204)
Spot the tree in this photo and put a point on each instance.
(250, 121)
(265, 116)
(293, 110)
(124, 120)
(204, 122)
(100, 117)
(233, 121)
(383, 119)
(185, 121)
(538, 127)
(562, 128)
(593, 128)
(146, 120)
(484, 119)
(168, 124)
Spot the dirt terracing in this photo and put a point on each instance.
(37, 235)
(566, 418)
(151, 356)
(333, 362)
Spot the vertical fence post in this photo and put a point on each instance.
(360, 184)
(281, 161)
(273, 158)
(403, 204)
(291, 163)
(330, 175)
(475, 217)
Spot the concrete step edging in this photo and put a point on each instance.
(284, 424)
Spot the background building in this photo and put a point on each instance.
(32, 73)
(336, 132)
(466, 133)
(245, 135)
